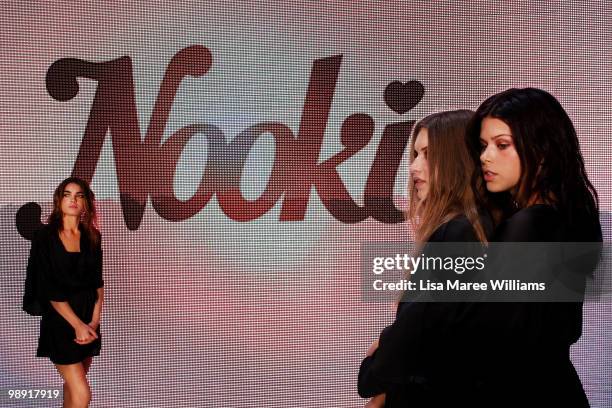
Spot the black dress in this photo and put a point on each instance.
(485, 354)
(417, 358)
(58, 275)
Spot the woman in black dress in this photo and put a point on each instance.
(409, 365)
(532, 178)
(64, 283)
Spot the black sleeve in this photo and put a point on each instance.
(98, 258)
(50, 280)
(397, 359)
(367, 384)
(31, 302)
(456, 230)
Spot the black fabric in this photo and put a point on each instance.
(411, 361)
(483, 354)
(31, 302)
(54, 274)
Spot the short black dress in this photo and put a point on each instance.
(55, 274)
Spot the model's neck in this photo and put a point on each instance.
(71, 224)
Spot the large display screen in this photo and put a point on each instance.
(241, 153)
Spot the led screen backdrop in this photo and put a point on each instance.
(241, 152)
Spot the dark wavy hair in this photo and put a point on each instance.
(552, 167)
(89, 218)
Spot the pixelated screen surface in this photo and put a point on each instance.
(240, 154)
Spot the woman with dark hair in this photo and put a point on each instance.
(64, 284)
(409, 365)
(529, 132)
(531, 176)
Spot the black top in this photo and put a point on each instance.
(55, 274)
(416, 349)
(484, 354)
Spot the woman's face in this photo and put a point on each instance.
(419, 169)
(73, 200)
(501, 165)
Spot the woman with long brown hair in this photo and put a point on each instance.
(410, 364)
(64, 284)
(439, 186)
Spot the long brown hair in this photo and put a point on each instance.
(89, 217)
(450, 168)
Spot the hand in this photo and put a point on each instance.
(372, 348)
(84, 334)
(376, 402)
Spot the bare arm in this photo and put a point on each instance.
(97, 313)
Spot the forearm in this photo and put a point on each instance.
(64, 309)
(97, 313)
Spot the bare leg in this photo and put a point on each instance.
(77, 392)
(87, 364)
(67, 401)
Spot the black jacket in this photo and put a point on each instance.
(49, 275)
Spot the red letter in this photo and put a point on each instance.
(114, 110)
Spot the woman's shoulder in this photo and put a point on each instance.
(91, 239)
(42, 240)
(458, 229)
(535, 223)
(43, 233)
(535, 212)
